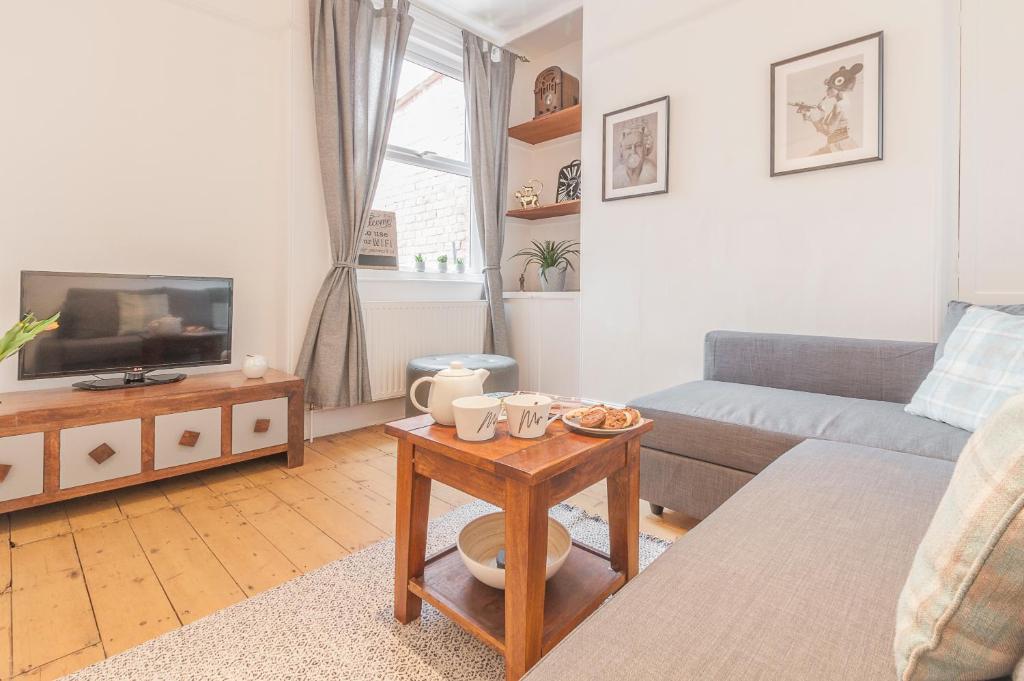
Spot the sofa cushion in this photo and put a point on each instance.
(956, 309)
(959, 615)
(747, 426)
(795, 577)
(982, 367)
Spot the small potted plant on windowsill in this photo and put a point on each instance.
(442, 263)
(460, 265)
(420, 263)
(552, 257)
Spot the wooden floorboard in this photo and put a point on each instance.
(88, 578)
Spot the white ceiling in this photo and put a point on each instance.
(501, 21)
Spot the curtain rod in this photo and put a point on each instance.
(434, 13)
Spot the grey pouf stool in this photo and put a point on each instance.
(504, 373)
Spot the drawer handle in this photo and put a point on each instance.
(189, 438)
(262, 426)
(5, 468)
(102, 453)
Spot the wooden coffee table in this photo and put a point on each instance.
(526, 478)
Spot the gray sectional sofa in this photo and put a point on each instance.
(816, 488)
(763, 394)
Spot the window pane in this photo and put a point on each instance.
(431, 210)
(430, 113)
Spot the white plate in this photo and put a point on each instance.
(573, 424)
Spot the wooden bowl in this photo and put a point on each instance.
(482, 538)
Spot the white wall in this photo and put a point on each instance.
(147, 136)
(991, 212)
(854, 251)
(540, 161)
(173, 137)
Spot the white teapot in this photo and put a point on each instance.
(447, 385)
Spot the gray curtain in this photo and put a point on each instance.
(488, 96)
(357, 60)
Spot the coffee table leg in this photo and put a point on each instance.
(526, 541)
(624, 513)
(412, 501)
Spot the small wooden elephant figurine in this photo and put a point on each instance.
(529, 194)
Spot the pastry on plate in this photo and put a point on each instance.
(577, 413)
(637, 418)
(593, 417)
(617, 419)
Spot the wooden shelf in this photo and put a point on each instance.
(583, 583)
(553, 210)
(549, 127)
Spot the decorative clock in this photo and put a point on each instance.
(569, 183)
(553, 91)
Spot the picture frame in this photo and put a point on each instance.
(827, 107)
(379, 247)
(634, 152)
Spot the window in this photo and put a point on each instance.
(425, 178)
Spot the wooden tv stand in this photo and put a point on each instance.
(65, 443)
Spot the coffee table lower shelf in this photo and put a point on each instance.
(583, 583)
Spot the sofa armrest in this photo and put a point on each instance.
(890, 371)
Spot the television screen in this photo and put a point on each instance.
(115, 323)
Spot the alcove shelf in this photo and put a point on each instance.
(553, 210)
(549, 127)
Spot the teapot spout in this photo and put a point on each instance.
(482, 374)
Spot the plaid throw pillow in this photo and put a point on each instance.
(959, 615)
(982, 366)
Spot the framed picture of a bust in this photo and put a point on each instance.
(826, 107)
(635, 151)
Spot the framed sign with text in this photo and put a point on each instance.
(379, 250)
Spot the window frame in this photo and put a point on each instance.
(436, 162)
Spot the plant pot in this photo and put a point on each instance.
(442, 267)
(460, 268)
(552, 280)
(420, 266)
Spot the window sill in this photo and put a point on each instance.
(424, 277)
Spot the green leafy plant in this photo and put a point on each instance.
(419, 257)
(460, 261)
(442, 258)
(23, 332)
(549, 254)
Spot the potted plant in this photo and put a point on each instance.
(552, 257)
(421, 264)
(442, 263)
(460, 265)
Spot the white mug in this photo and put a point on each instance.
(528, 415)
(475, 417)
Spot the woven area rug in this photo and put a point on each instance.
(336, 623)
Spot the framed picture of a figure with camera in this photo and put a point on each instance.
(826, 107)
(635, 151)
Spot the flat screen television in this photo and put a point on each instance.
(125, 323)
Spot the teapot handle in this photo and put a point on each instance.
(412, 392)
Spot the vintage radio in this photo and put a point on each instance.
(554, 90)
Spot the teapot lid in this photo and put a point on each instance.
(455, 369)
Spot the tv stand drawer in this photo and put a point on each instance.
(255, 425)
(21, 466)
(186, 437)
(100, 452)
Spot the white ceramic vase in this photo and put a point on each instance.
(254, 366)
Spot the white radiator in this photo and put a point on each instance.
(399, 331)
